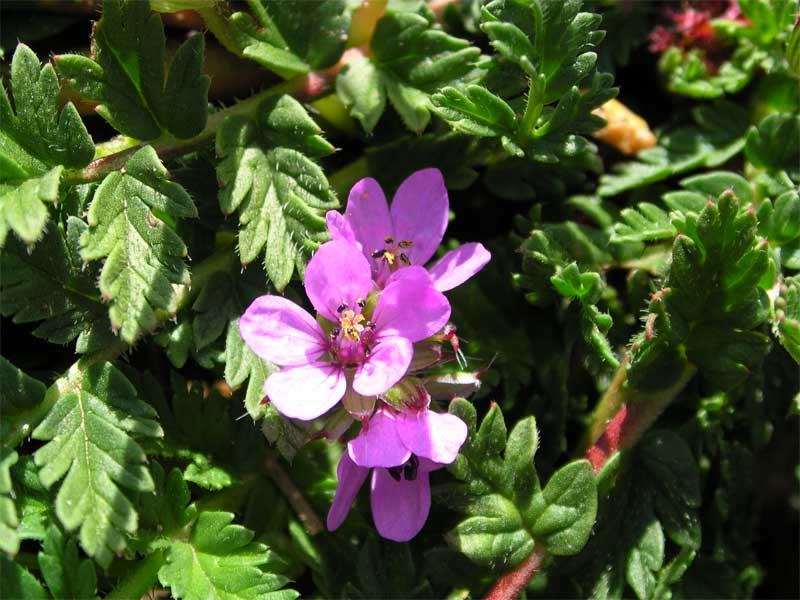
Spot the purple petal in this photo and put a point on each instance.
(426, 466)
(419, 213)
(458, 265)
(351, 478)
(338, 273)
(367, 213)
(340, 229)
(399, 508)
(279, 331)
(437, 436)
(386, 365)
(410, 306)
(306, 392)
(378, 445)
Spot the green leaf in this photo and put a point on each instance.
(787, 316)
(167, 507)
(9, 538)
(291, 39)
(17, 582)
(34, 503)
(20, 396)
(52, 284)
(411, 59)
(717, 136)
(647, 222)
(87, 434)
(281, 194)
(23, 208)
(360, 89)
(34, 136)
(220, 560)
(129, 225)
(241, 365)
(508, 513)
(475, 111)
(645, 559)
(65, 574)
(774, 144)
(563, 517)
(127, 75)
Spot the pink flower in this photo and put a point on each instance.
(368, 353)
(407, 235)
(402, 449)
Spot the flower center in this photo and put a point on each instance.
(351, 325)
(393, 254)
(407, 471)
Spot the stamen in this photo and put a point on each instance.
(388, 257)
(361, 302)
(371, 324)
(388, 240)
(406, 244)
(396, 473)
(377, 253)
(342, 307)
(404, 258)
(335, 332)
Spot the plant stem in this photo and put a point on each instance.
(141, 579)
(620, 419)
(511, 584)
(272, 466)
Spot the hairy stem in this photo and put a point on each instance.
(511, 584)
(272, 466)
(622, 416)
(139, 581)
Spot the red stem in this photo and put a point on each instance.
(511, 584)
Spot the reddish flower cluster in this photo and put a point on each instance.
(690, 26)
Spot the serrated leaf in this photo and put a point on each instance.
(475, 111)
(127, 74)
(219, 560)
(65, 574)
(51, 284)
(9, 538)
(167, 507)
(647, 222)
(17, 582)
(774, 144)
(34, 136)
(34, 504)
(87, 434)
(717, 136)
(279, 34)
(281, 195)
(23, 208)
(144, 256)
(20, 396)
(242, 365)
(787, 316)
(410, 60)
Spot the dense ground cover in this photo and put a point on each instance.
(399, 299)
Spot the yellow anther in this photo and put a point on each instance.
(389, 257)
(351, 325)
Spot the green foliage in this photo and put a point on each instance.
(65, 574)
(774, 144)
(267, 175)
(126, 75)
(35, 136)
(410, 60)
(655, 499)
(220, 560)
(277, 34)
(21, 396)
(51, 284)
(716, 137)
(131, 222)
(17, 582)
(508, 512)
(88, 434)
(9, 539)
(549, 43)
(712, 303)
(787, 316)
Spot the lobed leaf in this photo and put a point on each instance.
(126, 74)
(130, 226)
(280, 193)
(66, 575)
(89, 439)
